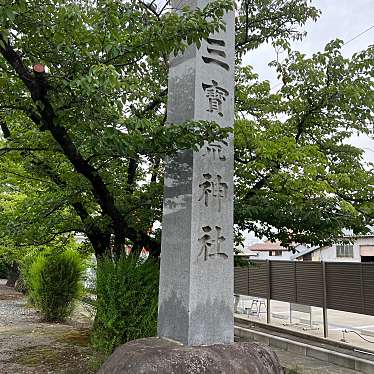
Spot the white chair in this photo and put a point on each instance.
(256, 306)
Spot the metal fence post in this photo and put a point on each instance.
(295, 282)
(325, 321)
(268, 293)
(362, 288)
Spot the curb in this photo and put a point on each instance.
(307, 350)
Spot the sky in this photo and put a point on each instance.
(343, 19)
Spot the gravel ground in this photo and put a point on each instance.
(12, 308)
(14, 312)
(30, 346)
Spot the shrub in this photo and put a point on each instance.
(25, 266)
(4, 268)
(55, 283)
(127, 293)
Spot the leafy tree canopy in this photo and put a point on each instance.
(298, 178)
(81, 138)
(84, 141)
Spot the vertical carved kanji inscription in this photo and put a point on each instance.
(196, 280)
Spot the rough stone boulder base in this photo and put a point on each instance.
(154, 355)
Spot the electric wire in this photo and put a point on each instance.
(349, 41)
(358, 35)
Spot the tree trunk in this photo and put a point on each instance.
(13, 275)
(100, 242)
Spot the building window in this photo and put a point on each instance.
(307, 257)
(344, 250)
(275, 253)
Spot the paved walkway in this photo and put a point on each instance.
(307, 365)
(337, 320)
(298, 364)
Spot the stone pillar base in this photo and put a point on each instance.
(161, 356)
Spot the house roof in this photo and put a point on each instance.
(302, 250)
(267, 246)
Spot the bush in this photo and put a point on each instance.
(127, 296)
(25, 266)
(4, 268)
(55, 283)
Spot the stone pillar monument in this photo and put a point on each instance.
(196, 281)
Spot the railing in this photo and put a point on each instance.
(343, 286)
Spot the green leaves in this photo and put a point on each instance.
(260, 21)
(127, 291)
(107, 68)
(55, 281)
(297, 178)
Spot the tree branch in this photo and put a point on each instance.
(38, 87)
(47, 241)
(26, 177)
(131, 174)
(15, 60)
(153, 104)
(4, 129)
(3, 151)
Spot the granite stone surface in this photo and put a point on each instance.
(196, 281)
(154, 355)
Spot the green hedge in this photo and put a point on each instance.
(54, 280)
(127, 296)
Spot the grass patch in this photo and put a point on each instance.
(294, 370)
(75, 337)
(55, 359)
(35, 356)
